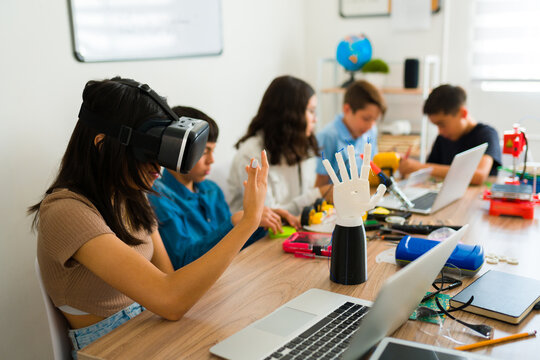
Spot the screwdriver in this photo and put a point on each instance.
(391, 185)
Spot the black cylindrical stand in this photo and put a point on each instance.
(348, 264)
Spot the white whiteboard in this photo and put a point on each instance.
(114, 30)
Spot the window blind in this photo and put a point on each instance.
(506, 40)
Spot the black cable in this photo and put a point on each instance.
(522, 176)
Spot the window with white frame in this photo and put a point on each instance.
(506, 41)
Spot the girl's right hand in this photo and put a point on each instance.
(255, 189)
(292, 220)
(271, 220)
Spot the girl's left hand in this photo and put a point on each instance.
(255, 189)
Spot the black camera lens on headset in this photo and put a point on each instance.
(174, 143)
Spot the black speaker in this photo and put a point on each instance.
(410, 79)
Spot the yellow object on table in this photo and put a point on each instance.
(320, 210)
(388, 162)
(380, 211)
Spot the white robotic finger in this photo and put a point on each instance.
(365, 164)
(352, 162)
(381, 189)
(330, 172)
(342, 169)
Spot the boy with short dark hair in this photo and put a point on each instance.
(458, 131)
(192, 212)
(363, 105)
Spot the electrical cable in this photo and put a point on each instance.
(525, 158)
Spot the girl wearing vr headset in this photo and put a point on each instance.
(98, 245)
(284, 126)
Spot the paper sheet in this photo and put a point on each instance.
(411, 14)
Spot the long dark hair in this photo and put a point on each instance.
(107, 173)
(282, 120)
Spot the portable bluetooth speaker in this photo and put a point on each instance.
(411, 73)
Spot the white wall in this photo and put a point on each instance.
(40, 96)
(500, 109)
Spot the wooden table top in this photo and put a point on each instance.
(262, 277)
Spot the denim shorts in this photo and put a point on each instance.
(85, 336)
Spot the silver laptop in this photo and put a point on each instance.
(454, 186)
(324, 324)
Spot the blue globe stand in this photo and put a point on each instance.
(351, 80)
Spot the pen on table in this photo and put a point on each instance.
(391, 237)
(408, 153)
(496, 341)
(309, 255)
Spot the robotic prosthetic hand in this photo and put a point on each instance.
(351, 196)
(351, 200)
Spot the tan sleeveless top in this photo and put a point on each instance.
(68, 220)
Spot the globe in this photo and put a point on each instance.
(353, 52)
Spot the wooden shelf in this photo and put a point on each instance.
(389, 90)
(395, 90)
(400, 144)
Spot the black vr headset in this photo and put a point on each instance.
(174, 143)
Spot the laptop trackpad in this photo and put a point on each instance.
(284, 321)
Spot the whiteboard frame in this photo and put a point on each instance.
(210, 44)
(373, 8)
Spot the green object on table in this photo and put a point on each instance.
(287, 231)
(430, 303)
(519, 172)
(370, 222)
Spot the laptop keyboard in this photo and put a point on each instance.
(425, 201)
(327, 339)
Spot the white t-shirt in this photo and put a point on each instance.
(290, 187)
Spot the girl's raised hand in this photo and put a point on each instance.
(255, 188)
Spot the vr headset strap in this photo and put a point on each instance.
(125, 134)
(148, 91)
